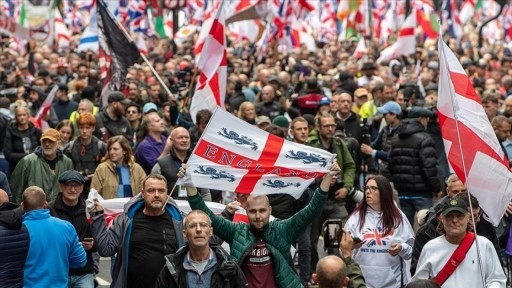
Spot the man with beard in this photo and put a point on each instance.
(42, 167)
(169, 165)
(111, 121)
(148, 229)
(262, 248)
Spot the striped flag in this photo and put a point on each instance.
(451, 14)
(89, 39)
(347, 7)
(404, 45)
(211, 86)
(360, 49)
(471, 145)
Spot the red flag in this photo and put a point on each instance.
(45, 107)
(211, 86)
(471, 145)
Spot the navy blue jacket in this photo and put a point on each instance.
(14, 242)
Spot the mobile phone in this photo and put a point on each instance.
(88, 240)
(331, 232)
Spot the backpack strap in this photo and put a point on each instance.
(457, 257)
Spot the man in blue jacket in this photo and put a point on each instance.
(149, 228)
(54, 245)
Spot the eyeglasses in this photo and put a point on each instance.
(361, 96)
(371, 188)
(194, 225)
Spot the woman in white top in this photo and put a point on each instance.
(387, 237)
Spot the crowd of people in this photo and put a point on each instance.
(402, 214)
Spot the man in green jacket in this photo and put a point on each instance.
(262, 248)
(339, 192)
(42, 167)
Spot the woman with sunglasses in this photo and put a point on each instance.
(386, 236)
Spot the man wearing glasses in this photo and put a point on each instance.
(334, 208)
(149, 228)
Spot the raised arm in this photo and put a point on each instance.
(298, 222)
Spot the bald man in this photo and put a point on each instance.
(12, 234)
(331, 272)
(54, 245)
(168, 166)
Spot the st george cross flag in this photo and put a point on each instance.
(117, 53)
(404, 45)
(469, 138)
(234, 155)
(211, 85)
(45, 107)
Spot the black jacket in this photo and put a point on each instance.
(412, 161)
(14, 243)
(14, 149)
(82, 227)
(227, 274)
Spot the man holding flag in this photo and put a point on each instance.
(262, 248)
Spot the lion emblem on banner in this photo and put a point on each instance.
(279, 184)
(214, 174)
(240, 140)
(307, 158)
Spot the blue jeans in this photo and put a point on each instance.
(81, 281)
(411, 205)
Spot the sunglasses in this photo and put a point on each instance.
(132, 112)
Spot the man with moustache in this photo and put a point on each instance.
(147, 230)
(42, 167)
(111, 121)
(199, 264)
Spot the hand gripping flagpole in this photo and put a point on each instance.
(441, 50)
(127, 35)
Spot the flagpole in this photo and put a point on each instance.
(127, 35)
(463, 162)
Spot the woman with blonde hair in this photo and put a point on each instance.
(118, 175)
(247, 112)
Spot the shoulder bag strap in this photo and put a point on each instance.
(457, 257)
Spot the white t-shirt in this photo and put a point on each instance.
(436, 253)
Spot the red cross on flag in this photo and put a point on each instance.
(234, 155)
(404, 45)
(471, 145)
(211, 86)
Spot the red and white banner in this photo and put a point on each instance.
(237, 156)
(45, 108)
(360, 49)
(405, 44)
(211, 85)
(469, 139)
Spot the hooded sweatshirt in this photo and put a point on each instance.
(380, 269)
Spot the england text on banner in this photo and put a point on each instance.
(235, 156)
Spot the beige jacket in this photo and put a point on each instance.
(106, 181)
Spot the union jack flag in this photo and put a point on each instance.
(376, 237)
(137, 19)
